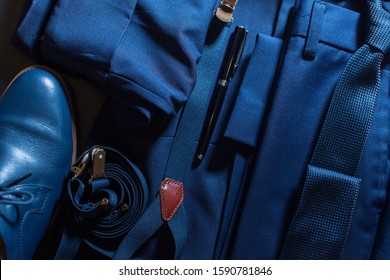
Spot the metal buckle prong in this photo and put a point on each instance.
(80, 169)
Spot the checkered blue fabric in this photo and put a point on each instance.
(321, 223)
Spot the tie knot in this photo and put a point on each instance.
(379, 26)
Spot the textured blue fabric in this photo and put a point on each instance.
(314, 31)
(33, 19)
(207, 185)
(250, 106)
(323, 217)
(297, 104)
(299, 99)
(321, 223)
(292, 120)
(381, 250)
(343, 39)
(145, 228)
(374, 173)
(180, 157)
(87, 212)
(113, 42)
(261, 197)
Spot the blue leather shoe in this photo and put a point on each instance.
(37, 147)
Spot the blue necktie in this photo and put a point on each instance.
(320, 226)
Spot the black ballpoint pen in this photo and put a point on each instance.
(229, 67)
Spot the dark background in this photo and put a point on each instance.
(88, 98)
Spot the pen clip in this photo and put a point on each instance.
(239, 41)
(240, 50)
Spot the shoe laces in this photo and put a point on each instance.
(9, 195)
